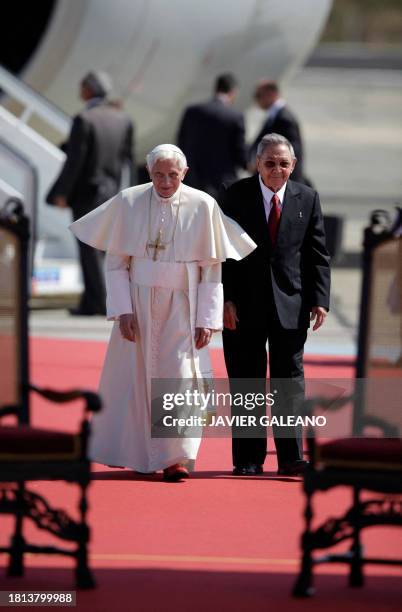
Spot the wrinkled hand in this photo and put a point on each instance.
(318, 313)
(202, 337)
(127, 326)
(60, 202)
(230, 315)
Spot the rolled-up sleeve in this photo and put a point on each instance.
(118, 294)
(210, 298)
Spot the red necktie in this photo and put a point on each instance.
(273, 219)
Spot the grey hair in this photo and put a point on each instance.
(99, 82)
(166, 151)
(270, 140)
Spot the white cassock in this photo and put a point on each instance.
(170, 297)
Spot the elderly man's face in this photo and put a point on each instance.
(166, 176)
(275, 166)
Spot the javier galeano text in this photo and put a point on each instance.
(245, 420)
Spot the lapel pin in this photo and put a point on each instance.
(300, 215)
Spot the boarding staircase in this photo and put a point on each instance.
(29, 163)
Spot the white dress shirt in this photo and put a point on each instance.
(267, 194)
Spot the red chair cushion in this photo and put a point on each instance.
(361, 453)
(25, 443)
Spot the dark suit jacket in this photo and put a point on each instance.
(100, 143)
(295, 272)
(285, 124)
(212, 138)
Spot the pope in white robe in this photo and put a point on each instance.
(164, 244)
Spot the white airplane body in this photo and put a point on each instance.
(161, 56)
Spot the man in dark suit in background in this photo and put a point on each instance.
(280, 120)
(100, 144)
(211, 135)
(273, 293)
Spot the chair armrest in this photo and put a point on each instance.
(308, 409)
(329, 404)
(7, 410)
(92, 400)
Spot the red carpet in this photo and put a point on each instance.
(211, 543)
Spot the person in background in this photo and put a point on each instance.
(100, 145)
(211, 134)
(279, 120)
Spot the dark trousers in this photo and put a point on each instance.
(93, 299)
(246, 357)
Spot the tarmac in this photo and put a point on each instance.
(351, 120)
(352, 127)
(337, 337)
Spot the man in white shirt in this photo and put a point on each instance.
(272, 294)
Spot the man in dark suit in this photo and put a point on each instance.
(280, 120)
(211, 135)
(100, 145)
(272, 294)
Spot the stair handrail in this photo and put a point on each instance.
(34, 103)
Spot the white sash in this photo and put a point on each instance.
(165, 274)
(181, 276)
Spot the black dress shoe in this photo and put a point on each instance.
(250, 469)
(79, 312)
(293, 468)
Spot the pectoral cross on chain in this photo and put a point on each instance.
(157, 245)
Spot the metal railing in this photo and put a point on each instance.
(33, 103)
(26, 175)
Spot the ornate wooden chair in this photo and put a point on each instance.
(30, 453)
(370, 459)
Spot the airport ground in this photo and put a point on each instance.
(352, 126)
